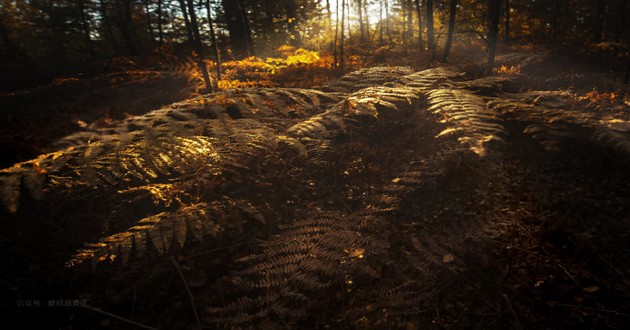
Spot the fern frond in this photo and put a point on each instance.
(307, 257)
(367, 77)
(429, 79)
(160, 230)
(466, 113)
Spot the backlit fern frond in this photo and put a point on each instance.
(161, 230)
(371, 104)
(466, 113)
(553, 119)
(292, 276)
(429, 79)
(367, 77)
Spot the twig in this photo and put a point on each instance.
(118, 317)
(192, 299)
(507, 300)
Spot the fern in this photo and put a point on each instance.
(466, 113)
(309, 256)
(367, 77)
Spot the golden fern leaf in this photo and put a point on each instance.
(466, 113)
(367, 77)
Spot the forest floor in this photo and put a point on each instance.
(521, 238)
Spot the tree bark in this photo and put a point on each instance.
(149, 24)
(108, 27)
(85, 23)
(494, 13)
(160, 28)
(361, 22)
(342, 36)
(451, 29)
(236, 28)
(125, 23)
(410, 21)
(189, 32)
(419, 14)
(198, 47)
(430, 28)
(213, 38)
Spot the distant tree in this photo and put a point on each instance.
(236, 26)
(198, 46)
(419, 14)
(507, 22)
(292, 23)
(430, 28)
(494, 13)
(213, 38)
(451, 29)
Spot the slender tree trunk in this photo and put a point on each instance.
(380, 23)
(292, 22)
(189, 32)
(387, 18)
(494, 13)
(598, 23)
(430, 28)
(451, 29)
(341, 49)
(269, 17)
(160, 28)
(335, 59)
(507, 22)
(419, 14)
(361, 23)
(236, 28)
(108, 27)
(248, 31)
(213, 38)
(125, 23)
(410, 21)
(85, 23)
(149, 24)
(198, 46)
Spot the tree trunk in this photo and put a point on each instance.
(410, 21)
(189, 32)
(507, 22)
(160, 28)
(85, 23)
(125, 24)
(598, 23)
(236, 28)
(294, 34)
(380, 23)
(451, 29)
(198, 47)
(108, 27)
(335, 59)
(269, 17)
(419, 14)
(361, 22)
(149, 24)
(342, 36)
(213, 38)
(430, 29)
(494, 13)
